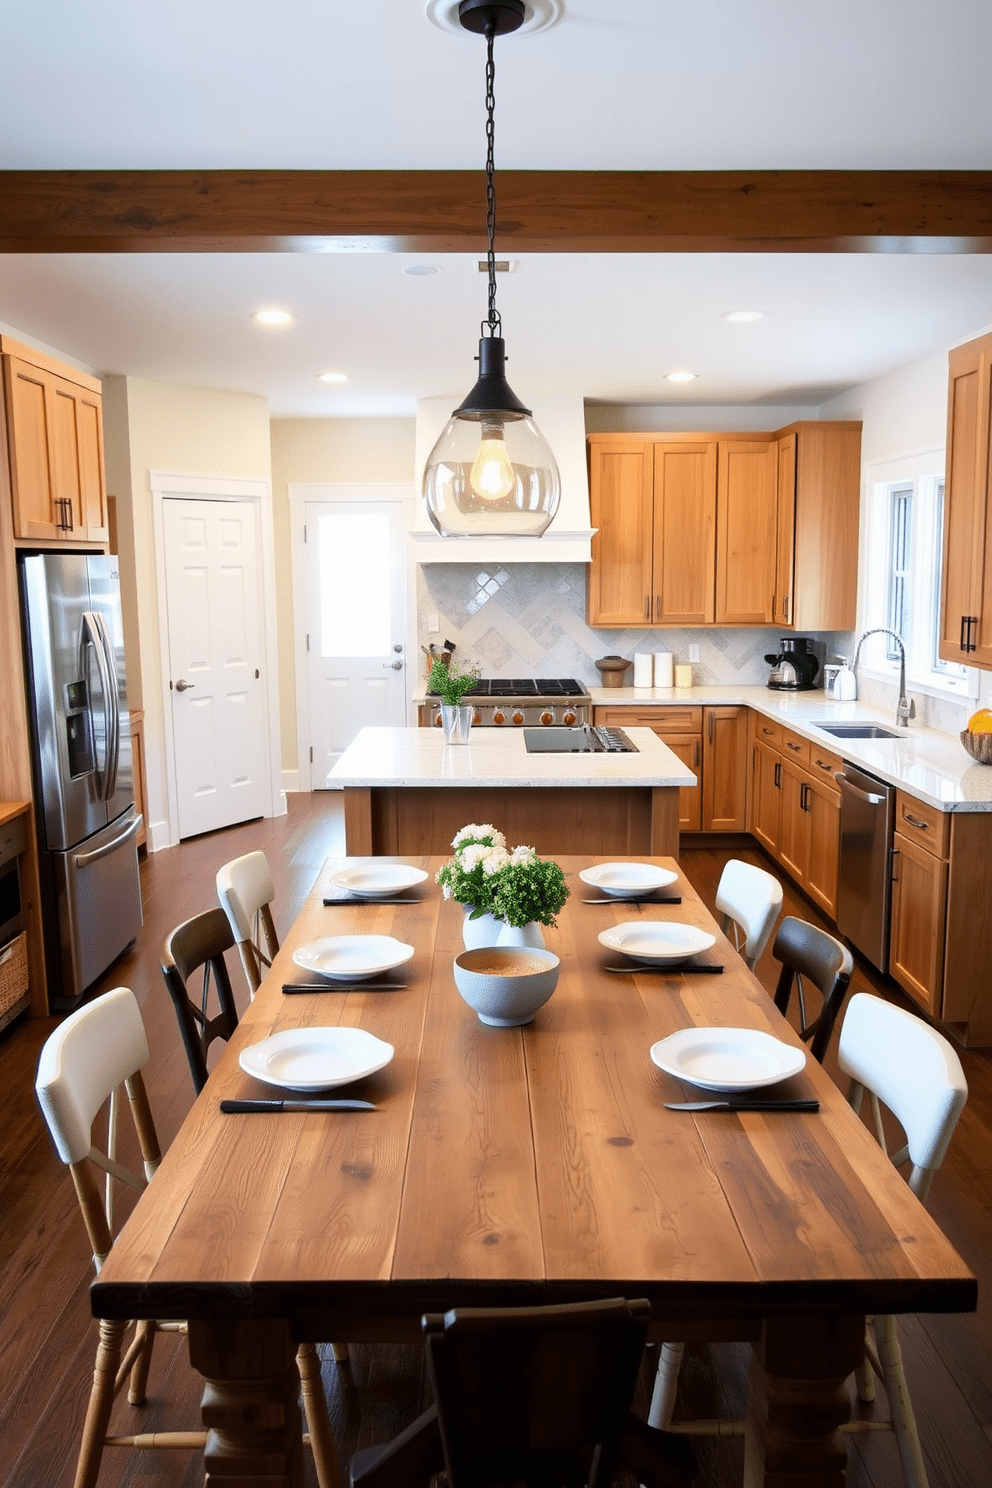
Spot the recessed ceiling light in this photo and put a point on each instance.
(273, 317)
(421, 271)
(333, 377)
(740, 317)
(680, 376)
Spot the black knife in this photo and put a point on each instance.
(713, 967)
(742, 1103)
(343, 986)
(619, 903)
(252, 1107)
(361, 899)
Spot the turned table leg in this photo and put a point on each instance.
(799, 1397)
(250, 1403)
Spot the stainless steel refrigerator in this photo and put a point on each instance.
(81, 754)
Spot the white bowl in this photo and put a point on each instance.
(315, 1058)
(626, 880)
(377, 880)
(656, 940)
(351, 957)
(506, 984)
(727, 1059)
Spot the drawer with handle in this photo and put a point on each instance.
(923, 824)
(795, 748)
(767, 731)
(822, 762)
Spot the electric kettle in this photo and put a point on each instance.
(794, 669)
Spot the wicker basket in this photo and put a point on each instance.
(14, 996)
(979, 746)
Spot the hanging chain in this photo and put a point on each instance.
(493, 321)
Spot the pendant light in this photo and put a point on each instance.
(491, 473)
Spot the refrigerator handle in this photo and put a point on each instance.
(82, 860)
(114, 698)
(91, 635)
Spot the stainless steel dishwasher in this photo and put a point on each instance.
(864, 892)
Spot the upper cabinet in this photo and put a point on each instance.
(54, 425)
(709, 529)
(966, 581)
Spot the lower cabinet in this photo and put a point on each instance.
(712, 742)
(795, 813)
(681, 728)
(916, 937)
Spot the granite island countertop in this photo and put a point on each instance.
(497, 757)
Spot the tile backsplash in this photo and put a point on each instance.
(528, 620)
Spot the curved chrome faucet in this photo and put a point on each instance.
(905, 709)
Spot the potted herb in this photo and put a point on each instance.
(451, 683)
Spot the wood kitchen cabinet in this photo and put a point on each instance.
(710, 529)
(54, 425)
(713, 743)
(966, 579)
(795, 808)
(681, 728)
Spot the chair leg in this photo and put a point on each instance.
(325, 1456)
(341, 1353)
(137, 1390)
(101, 1402)
(864, 1375)
(666, 1382)
(900, 1405)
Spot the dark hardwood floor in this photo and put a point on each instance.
(48, 1339)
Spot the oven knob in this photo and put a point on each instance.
(476, 717)
(569, 718)
(437, 720)
(499, 717)
(518, 718)
(547, 716)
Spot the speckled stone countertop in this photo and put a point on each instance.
(497, 757)
(931, 766)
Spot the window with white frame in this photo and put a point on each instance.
(902, 575)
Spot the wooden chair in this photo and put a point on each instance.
(539, 1396)
(806, 951)
(82, 1066)
(749, 900)
(910, 1068)
(244, 888)
(195, 944)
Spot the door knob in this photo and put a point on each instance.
(394, 666)
(182, 685)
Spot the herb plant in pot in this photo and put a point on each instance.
(451, 684)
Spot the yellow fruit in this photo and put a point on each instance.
(981, 722)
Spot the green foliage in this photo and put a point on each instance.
(450, 683)
(516, 887)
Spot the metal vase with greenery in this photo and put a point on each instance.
(451, 683)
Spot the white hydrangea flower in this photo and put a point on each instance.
(494, 859)
(474, 831)
(472, 855)
(523, 854)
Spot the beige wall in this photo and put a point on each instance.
(185, 430)
(333, 450)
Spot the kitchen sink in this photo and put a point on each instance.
(856, 731)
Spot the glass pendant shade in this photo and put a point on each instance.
(491, 473)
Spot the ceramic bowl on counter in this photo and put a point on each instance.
(506, 985)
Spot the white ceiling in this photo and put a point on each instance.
(614, 84)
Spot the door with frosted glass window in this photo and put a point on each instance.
(356, 660)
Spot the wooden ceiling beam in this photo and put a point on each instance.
(238, 211)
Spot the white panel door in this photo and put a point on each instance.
(356, 659)
(214, 607)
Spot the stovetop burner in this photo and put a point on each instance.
(514, 687)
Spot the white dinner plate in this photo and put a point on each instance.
(377, 880)
(624, 880)
(315, 1058)
(351, 957)
(727, 1058)
(656, 940)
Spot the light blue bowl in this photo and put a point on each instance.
(501, 998)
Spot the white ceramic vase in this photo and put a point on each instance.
(521, 935)
(483, 931)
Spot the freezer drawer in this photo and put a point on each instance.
(98, 904)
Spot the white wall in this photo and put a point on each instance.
(318, 450)
(165, 426)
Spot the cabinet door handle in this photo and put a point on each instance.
(804, 798)
(923, 826)
(785, 609)
(647, 607)
(711, 726)
(972, 621)
(962, 643)
(790, 745)
(892, 865)
(823, 764)
(657, 606)
(767, 731)
(695, 755)
(778, 774)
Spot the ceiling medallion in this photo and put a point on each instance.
(539, 15)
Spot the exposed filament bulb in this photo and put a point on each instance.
(492, 472)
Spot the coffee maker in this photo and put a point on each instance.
(794, 669)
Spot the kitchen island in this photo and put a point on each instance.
(406, 791)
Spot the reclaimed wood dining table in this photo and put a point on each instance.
(507, 1166)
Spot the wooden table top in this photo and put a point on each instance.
(508, 1165)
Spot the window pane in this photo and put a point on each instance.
(900, 557)
(353, 557)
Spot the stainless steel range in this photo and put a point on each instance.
(513, 702)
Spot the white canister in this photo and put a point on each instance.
(643, 669)
(683, 676)
(845, 685)
(664, 669)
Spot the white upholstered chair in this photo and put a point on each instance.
(83, 1064)
(244, 888)
(749, 900)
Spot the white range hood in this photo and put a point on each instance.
(569, 537)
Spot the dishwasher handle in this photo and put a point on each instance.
(848, 785)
